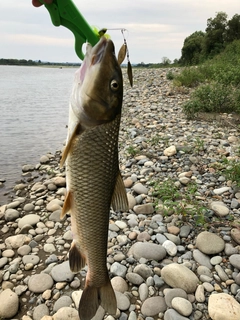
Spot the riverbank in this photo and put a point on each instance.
(170, 260)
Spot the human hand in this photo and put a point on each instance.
(37, 3)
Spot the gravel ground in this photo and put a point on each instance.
(174, 255)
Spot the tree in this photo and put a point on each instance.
(192, 48)
(215, 31)
(166, 61)
(233, 29)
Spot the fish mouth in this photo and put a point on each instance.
(100, 50)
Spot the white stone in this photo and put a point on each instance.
(181, 305)
(170, 151)
(222, 306)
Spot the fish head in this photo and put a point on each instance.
(99, 95)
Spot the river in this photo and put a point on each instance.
(33, 116)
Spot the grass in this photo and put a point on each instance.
(232, 171)
(170, 200)
(216, 83)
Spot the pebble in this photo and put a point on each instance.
(182, 306)
(209, 243)
(179, 276)
(152, 306)
(38, 283)
(9, 304)
(223, 306)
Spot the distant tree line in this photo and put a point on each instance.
(201, 46)
(23, 62)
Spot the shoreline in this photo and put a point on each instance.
(148, 245)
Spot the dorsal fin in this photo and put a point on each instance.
(76, 131)
(119, 198)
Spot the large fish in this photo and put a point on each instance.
(94, 182)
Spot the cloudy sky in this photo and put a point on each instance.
(156, 28)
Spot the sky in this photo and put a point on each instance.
(155, 28)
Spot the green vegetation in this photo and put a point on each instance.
(201, 46)
(169, 199)
(232, 171)
(23, 62)
(218, 82)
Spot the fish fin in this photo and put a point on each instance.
(67, 205)
(76, 259)
(119, 198)
(67, 149)
(93, 297)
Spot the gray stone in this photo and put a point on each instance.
(123, 302)
(62, 272)
(146, 208)
(221, 190)
(172, 293)
(40, 311)
(119, 284)
(11, 214)
(234, 259)
(179, 276)
(202, 258)
(143, 292)
(172, 314)
(139, 188)
(28, 207)
(219, 208)
(182, 306)
(143, 270)
(117, 269)
(209, 243)
(38, 283)
(63, 301)
(184, 231)
(134, 278)
(29, 219)
(149, 251)
(170, 247)
(153, 306)
(30, 259)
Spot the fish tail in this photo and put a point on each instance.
(93, 297)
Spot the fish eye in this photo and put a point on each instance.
(114, 85)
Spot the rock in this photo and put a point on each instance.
(219, 208)
(17, 241)
(11, 214)
(179, 276)
(62, 272)
(170, 151)
(234, 259)
(66, 313)
(38, 283)
(118, 269)
(9, 304)
(123, 302)
(149, 251)
(170, 247)
(170, 294)
(27, 167)
(182, 306)
(221, 190)
(30, 219)
(146, 208)
(134, 278)
(199, 294)
(222, 306)
(59, 181)
(28, 207)
(139, 188)
(143, 270)
(202, 258)
(63, 301)
(235, 234)
(54, 205)
(131, 200)
(172, 314)
(44, 159)
(119, 284)
(40, 311)
(209, 243)
(153, 306)
(143, 292)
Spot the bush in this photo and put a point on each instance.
(213, 97)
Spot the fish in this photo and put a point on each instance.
(93, 178)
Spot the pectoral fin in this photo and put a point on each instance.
(67, 205)
(119, 198)
(76, 131)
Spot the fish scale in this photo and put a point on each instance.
(93, 193)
